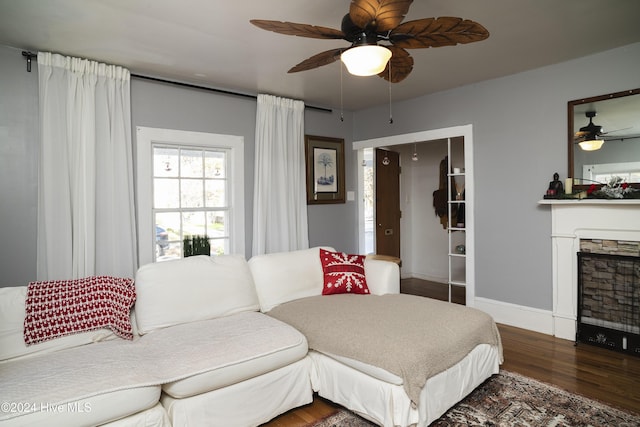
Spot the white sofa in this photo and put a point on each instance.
(202, 354)
(290, 287)
(207, 351)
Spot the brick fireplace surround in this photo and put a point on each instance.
(571, 222)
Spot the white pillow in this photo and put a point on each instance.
(12, 346)
(286, 276)
(191, 289)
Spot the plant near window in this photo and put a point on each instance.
(196, 245)
(616, 188)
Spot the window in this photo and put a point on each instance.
(189, 183)
(604, 172)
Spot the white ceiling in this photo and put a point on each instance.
(212, 43)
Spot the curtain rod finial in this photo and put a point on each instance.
(28, 55)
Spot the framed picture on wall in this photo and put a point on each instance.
(325, 169)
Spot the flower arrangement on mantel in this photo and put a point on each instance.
(616, 188)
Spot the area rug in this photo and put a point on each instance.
(510, 399)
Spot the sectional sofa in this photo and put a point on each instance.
(220, 341)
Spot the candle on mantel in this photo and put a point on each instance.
(568, 186)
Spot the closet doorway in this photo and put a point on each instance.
(418, 245)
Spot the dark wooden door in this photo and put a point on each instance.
(387, 203)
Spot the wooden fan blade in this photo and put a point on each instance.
(300, 30)
(378, 15)
(323, 58)
(436, 32)
(401, 64)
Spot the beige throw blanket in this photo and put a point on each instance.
(412, 337)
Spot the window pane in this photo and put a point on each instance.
(216, 224)
(166, 193)
(219, 246)
(170, 221)
(167, 235)
(191, 163)
(192, 195)
(214, 164)
(193, 224)
(215, 193)
(165, 161)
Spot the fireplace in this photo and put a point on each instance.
(573, 221)
(609, 297)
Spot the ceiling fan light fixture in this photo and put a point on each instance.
(366, 60)
(591, 145)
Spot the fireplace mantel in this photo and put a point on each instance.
(572, 220)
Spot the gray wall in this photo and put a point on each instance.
(18, 167)
(520, 128)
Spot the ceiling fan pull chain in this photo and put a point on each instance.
(341, 103)
(390, 114)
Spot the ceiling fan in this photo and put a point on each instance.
(378, 24)
(592, 136)
(593, 131)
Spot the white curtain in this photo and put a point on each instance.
(280, 203)
(86, 222)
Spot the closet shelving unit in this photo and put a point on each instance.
(456, 225)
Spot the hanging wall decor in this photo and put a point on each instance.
(325, 169)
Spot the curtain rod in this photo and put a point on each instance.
(222, 91)
(29, 55)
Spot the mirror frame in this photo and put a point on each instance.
(570, 132)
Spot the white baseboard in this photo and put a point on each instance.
(520, 316)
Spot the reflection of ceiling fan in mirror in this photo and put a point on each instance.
(376, 26)
(591, 137)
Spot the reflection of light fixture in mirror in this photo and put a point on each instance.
(366, 60)
(414, 157)
(385, 160)
(591, 145)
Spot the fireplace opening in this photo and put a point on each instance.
(609, 301)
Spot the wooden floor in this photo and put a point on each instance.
(608, 376)
(434, 290)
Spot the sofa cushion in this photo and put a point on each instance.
(287, 276)
(343, 273)
(95, 375)
(90, 411)
(190, 289)
(12, 345)
(57, 308)
(228, 350)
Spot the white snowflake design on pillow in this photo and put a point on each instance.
(343, 273)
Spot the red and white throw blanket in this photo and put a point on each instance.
(57, 308)
(412, 337)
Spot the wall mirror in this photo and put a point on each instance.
(614, 119)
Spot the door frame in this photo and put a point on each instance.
(426, 136)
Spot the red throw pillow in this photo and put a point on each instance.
(343, 273)
(63, 307)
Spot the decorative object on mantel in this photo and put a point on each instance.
(556, 188)
(616, 188)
